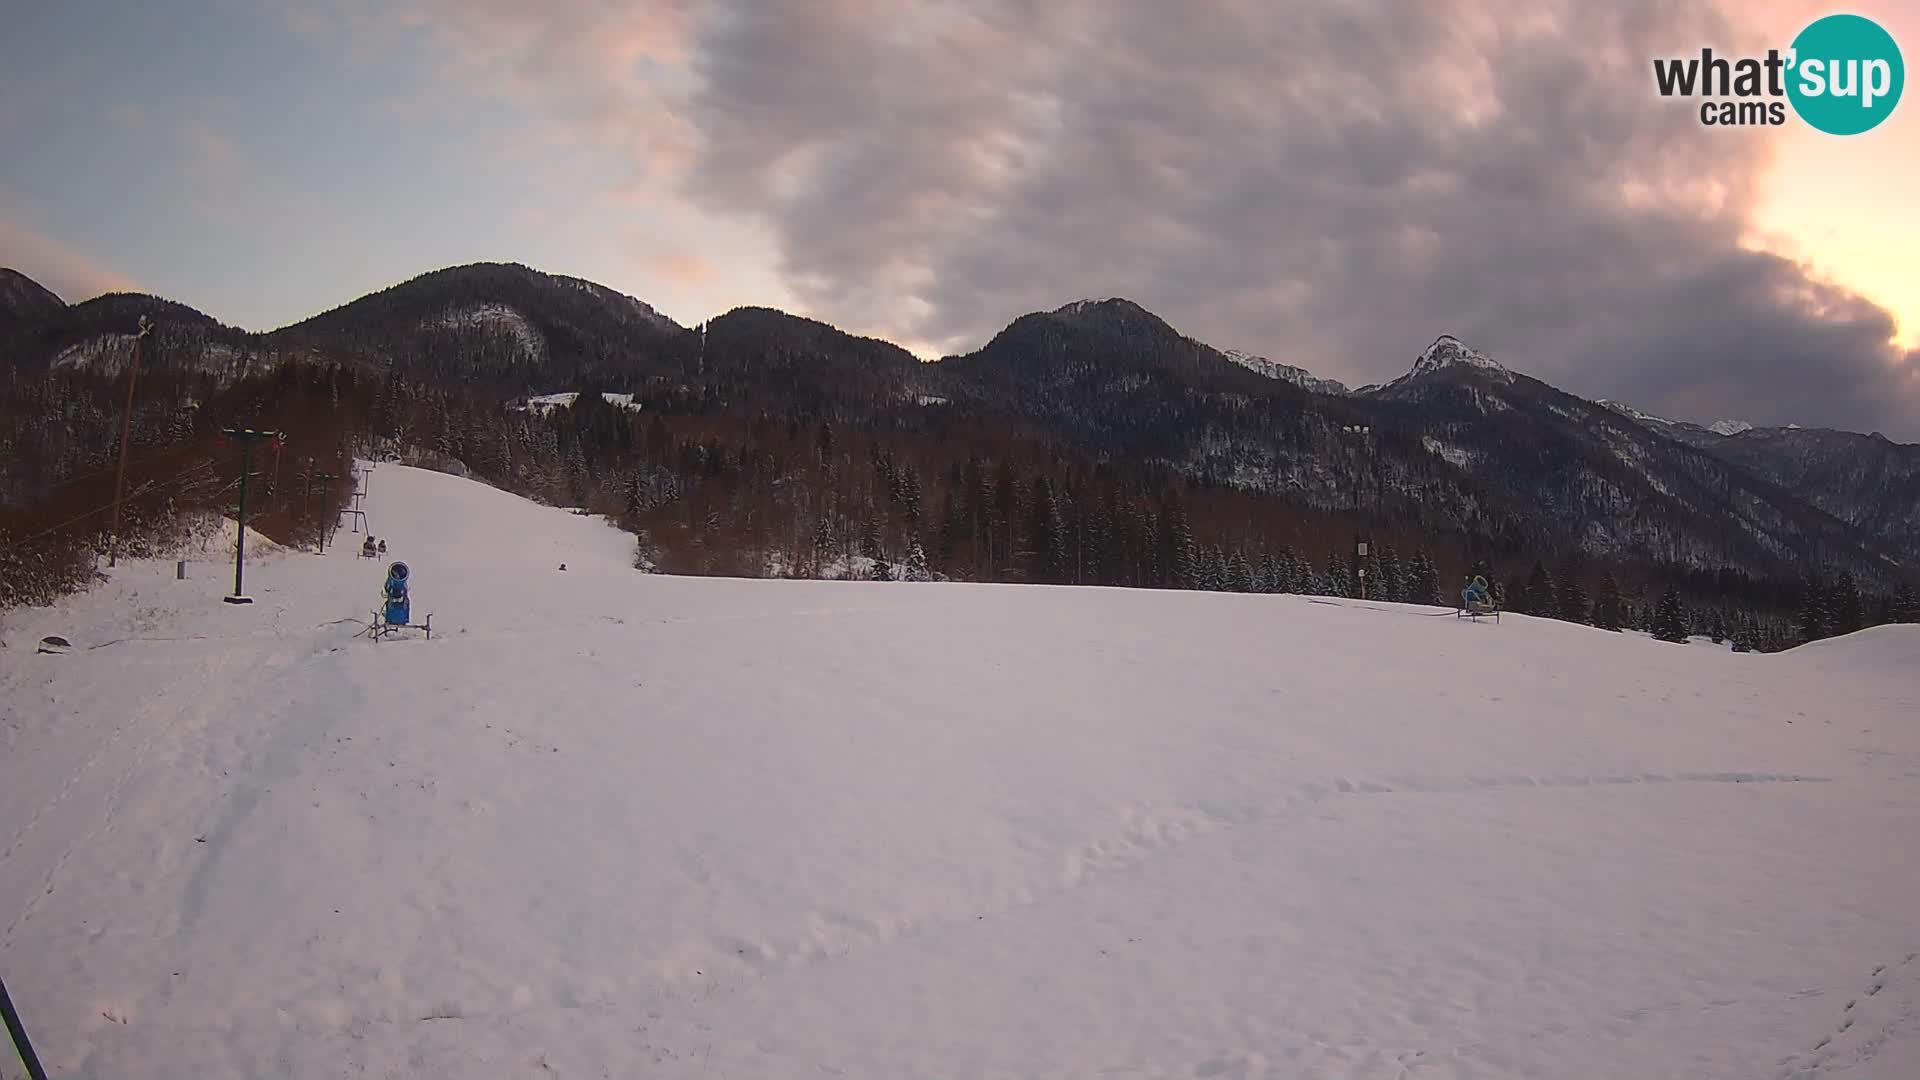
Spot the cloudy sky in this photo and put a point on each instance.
(1331, 185)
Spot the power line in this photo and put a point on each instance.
(126, 440)
(104, 469)
(77, 477)
(149, 485)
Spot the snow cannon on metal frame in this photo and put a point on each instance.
(399, 606)
(396, 612)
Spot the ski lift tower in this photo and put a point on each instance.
(357, 513)
(246, 437)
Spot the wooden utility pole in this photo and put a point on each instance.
(246, 437)
(126, 433)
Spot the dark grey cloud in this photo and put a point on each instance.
(1330, 185)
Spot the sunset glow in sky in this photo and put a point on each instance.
(1331, 185)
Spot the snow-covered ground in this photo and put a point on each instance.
(609, 824)
(546, 403)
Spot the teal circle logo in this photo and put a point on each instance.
(1846, 74)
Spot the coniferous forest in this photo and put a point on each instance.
(1093, 445)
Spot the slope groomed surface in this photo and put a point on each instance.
(611, 824)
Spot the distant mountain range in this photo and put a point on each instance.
(1459, 445)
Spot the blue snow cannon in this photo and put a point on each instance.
(398, 606)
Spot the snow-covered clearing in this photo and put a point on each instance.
(614, 824)
(546, 403)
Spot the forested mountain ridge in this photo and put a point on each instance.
(1868, 481)
(23, 299)
(760, 433)
(499, 323)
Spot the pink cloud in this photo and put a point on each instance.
(71, 274)
(680, 268)
(608, 73)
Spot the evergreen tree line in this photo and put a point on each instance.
(59, 457)
(707, 490)
(1823, 609)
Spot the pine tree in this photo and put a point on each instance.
(1882, 612)
(1391, 585)
(870, 547)
(1009, 496)
(1073, 535)
(631, 496)
(1216, 570)
(1670, 618)
(953, 529)
(1572, 598)
(1813, 623)
(1337, 581)
(1043, 533)
(1844, 605)
(1177, 557)
(1100, 549)
(910, 493)
(1240, 573)
(1906, 604)
(1423, 581)
(1297, 572)
(1536, 596)
(917, 563)
(826, 546)
(1607, 606)
(1271, 576)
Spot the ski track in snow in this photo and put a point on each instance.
(611, 824)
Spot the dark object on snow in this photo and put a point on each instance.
(563, 566)
(53, 643)
(367, 549)
(19, 1032)
(383, 547)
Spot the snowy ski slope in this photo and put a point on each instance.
(608, 824)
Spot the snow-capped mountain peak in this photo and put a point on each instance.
(1448, 351)
(1718, 427)
(1298, 376)
(1629, 411)
(1113, 306)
